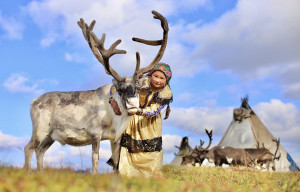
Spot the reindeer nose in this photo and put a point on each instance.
(130, 92)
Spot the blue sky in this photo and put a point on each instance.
(219, 51)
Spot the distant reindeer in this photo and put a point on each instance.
(85, 117)
(264, 156)
(195, 156)
(217, 155)
(231, 156)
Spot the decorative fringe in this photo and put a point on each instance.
(168, 111)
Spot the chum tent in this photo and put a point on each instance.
(246, 130)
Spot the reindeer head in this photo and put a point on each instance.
(128, 92)
(127, 88)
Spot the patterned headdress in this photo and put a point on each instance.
(163, 67)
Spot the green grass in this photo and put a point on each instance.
(183, 179)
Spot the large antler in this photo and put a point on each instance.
(210, 138)
(97, 47)
(163, 43)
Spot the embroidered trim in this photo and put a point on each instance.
(154, 113)
(112, 90)
(149, 99)
(137, 146)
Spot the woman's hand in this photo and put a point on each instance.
(139, 111)
(115, 107)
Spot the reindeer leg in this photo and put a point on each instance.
(28, 150)
(114, 159)
(268, 165)
(217, 162)
(273, 165)
(40, 151)
(255, 162)
(112, 145)
(95, 155)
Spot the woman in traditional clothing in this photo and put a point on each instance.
(141, 145)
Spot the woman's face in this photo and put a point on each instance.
(158, 79)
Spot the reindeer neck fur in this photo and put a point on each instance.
(120, 122)
(127, 102)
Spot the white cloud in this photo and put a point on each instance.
(197, 119)
(58, 19)
(256, 39)
(12, 28)
(9, 142)
(18, 83)
(169, 142)
(252, 37)
(282, 119)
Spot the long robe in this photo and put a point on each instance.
(141, 151)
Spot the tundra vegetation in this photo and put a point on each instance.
(175, 178)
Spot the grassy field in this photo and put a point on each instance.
(182, 179)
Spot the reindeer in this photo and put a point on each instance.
(231, 156)
(263, 155)
(217, 155)
(196, 156)
(81, 118)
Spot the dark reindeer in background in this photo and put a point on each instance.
(263, 155)
(194, 157)
(81, 118)
(239, 156)
(232, 156)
